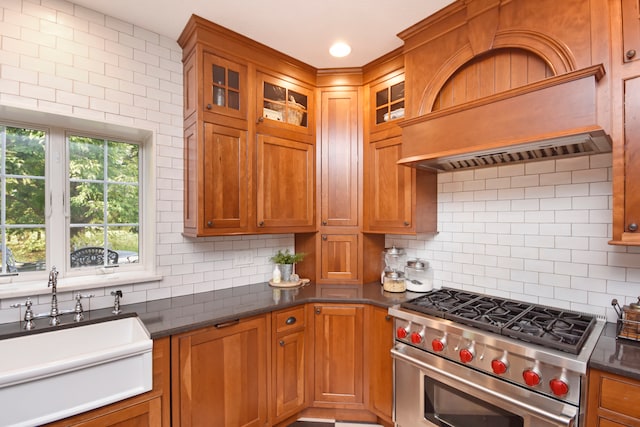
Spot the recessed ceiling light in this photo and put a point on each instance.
(340, 49)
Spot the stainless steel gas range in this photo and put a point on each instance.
(463, 359)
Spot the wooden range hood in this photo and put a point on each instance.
(552, 118)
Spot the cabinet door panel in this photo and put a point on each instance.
(379, 333)
(340, 142)
(220, 376)
(389, 191)
(631, 193)
(339, 256)
(290, 373)
(225, 186)
(339, 355)
(285, 183)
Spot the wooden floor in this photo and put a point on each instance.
(329, 423)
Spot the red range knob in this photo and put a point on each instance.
(559, 387)
(531, 377)
(402, 332)
(499, 367)
(437, 345)
(466, 355)
(416, 338)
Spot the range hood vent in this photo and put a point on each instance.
(550, 119)
(575, 145)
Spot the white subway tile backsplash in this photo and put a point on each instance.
(535, 231)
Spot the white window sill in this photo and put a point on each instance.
(72, 284)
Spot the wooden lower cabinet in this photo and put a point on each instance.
(338, 359)
(612, 401)
(219, 375)
(379, 379)
(151, 409)
(289, 367)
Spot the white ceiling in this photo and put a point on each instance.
(303, 29)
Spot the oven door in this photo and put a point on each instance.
(433, 391)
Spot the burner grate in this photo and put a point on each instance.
(546, 326)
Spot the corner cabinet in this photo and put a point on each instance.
(339, 355)
(340, 251)
(219, 375)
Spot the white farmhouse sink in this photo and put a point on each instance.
(52, 375)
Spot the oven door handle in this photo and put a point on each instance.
(559, 419)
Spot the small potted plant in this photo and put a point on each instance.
(284, 263)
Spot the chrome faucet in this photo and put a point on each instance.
(53, 284)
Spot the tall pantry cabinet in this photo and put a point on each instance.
(340, 248)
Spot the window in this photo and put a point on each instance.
(74, 200)
(22, 220)
(104, 201)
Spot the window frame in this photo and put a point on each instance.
(56, 200)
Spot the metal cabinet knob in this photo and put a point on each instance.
(261, 224)
(260, 119)
(633, 227)
(407, 223)
(324, 237)
(209, 106)
(630, 54)
(209, 223)
(318, 310)
(324, 222)
(281, 343)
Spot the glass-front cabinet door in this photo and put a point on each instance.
(388, 101)
(284, 104)
(224, 86)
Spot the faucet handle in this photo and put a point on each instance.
(78, 310)
(29, 317)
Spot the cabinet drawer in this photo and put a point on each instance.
(620, 395)
(289, 319)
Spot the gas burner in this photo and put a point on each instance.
(488, 313)
(553, 328)
(440, 301)
(549, 327)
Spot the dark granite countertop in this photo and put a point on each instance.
(171, 316)
(181, 314)
(617, 356)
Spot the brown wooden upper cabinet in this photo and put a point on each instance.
(247, 169)
(631, 222)
(400, 200)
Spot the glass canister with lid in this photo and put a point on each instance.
(394, 281)
(418, 276)
(393, 260)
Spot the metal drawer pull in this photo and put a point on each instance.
(291, 320)
(227, 324)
